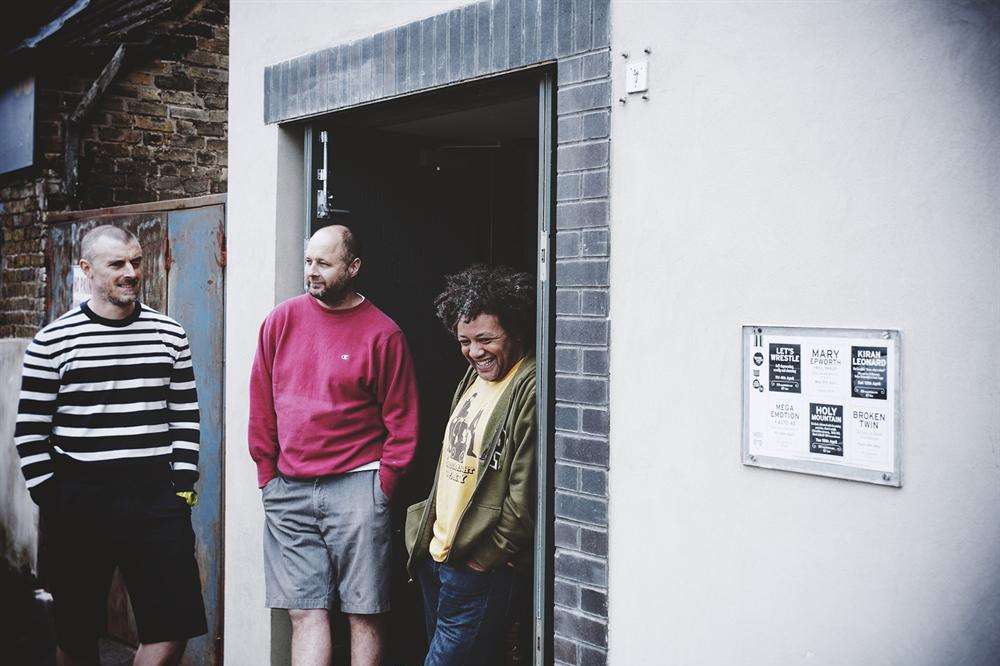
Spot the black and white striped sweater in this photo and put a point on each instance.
(104, 395)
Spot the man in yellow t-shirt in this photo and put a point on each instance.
(463, 446)
(470, 541)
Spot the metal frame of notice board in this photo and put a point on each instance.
(753, 334)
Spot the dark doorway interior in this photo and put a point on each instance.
(433, 183)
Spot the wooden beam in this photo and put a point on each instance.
(99, 85)
(71, 130)
(133, 209)
(71, 144)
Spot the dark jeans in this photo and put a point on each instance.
(465, 612)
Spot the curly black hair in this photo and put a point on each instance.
(497, 290)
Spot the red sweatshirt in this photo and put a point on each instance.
(330, 391)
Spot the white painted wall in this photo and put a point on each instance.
(18, 514)
(264, 223)
(828, 164)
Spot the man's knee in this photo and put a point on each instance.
(366, 624)
(77, 656)
(365, 618)
(166, 647)
(304, 618)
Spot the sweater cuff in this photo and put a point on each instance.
(184, 480)
(266, 470)
(389, 479)
(44, 493)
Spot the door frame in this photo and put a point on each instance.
(542, 579)
(542, 584)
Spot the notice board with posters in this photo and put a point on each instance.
(822, 401)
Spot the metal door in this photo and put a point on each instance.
(196, 265)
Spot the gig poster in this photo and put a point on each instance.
(785, 368)
(821, 396)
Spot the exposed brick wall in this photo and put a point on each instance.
(22, 281)
(486, 38)
(158, 132)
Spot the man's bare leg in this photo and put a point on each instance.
(367, 639)
(311, 644)
(167, 653)
(65, 659)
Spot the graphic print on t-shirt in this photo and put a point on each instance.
(462, 441)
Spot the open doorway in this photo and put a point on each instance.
(431, 184)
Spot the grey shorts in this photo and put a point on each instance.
(326, 541)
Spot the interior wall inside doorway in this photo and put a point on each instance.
(424, 209)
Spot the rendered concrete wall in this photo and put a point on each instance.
(264, 259)
(828, 164)
(18, 514)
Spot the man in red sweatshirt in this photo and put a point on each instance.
(333, 426)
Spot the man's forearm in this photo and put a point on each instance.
(35, 409)
(262, 437)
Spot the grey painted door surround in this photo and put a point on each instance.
(484, 39)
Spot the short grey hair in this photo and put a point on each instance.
(91, 238)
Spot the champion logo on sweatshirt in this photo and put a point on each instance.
(345, 357)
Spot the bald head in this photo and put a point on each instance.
(338, 234)
(97, 237)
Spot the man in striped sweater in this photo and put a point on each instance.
(107, 432)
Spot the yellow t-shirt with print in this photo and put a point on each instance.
(463, 444)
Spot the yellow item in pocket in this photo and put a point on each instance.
(189, 496)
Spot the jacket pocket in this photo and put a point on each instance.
(477, 523)
(413, 516)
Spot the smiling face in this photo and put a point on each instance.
(115, 271)
(488, 347)
(329, 272)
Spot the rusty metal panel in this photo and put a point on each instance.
(195, 299)
(64, 253)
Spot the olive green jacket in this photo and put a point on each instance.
(497, 527)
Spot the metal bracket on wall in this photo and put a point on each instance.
(323, 176)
